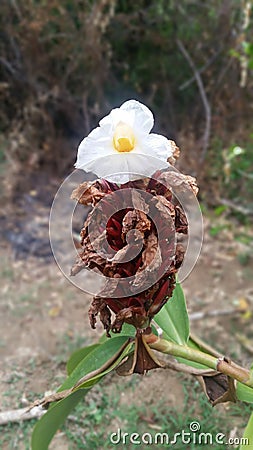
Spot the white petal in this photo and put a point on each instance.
(117, 115)
(123, 167)
(96, 152)
(96, 145)
(158, 146)
(141, 117)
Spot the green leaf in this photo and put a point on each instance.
(47, 426)
(94, 360)
(173, 318)
(250, 63)
(127, 330)
(78, 356)
(127, 350)
(244, 393)
(220, 209)
(248, 435)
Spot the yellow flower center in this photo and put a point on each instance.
(123, 139)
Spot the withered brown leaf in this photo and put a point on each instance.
(219, 388)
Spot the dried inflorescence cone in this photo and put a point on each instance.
(131, 234)
(148, 211)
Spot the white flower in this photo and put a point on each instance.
(123, 144)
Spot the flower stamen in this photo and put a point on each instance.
(123, 139)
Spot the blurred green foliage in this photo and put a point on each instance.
(64, 64)
(240, 176)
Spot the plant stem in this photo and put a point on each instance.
(218, 364)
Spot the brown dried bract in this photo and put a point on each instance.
(137, 220)
(176, 152)
(218, 388)
(150, 254)
(89, 193)
(138, 242)
(178, 181)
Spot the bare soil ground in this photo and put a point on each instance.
(43, 318)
